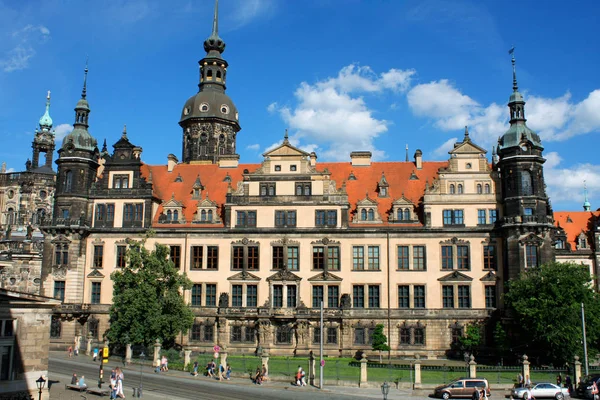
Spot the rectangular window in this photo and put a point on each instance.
(464, 296)
(285, 219)
(236, 334)
(481, 220)
(458, 217)
(489, 257)
(326, 218)
(447, 257)
(61, 254)
(317, 296)
(531, 255)
(253, 258)
(196, 295)
(358, 258)
(303, 188)
(249, 334)
(277, 296)
(419, 336)
(419, 296)
(419, 258)
(331, 218)
(236, 296)
(490, 296)
(333, 258)
(267, 189)
(238, 257)
(358, 296)
(403, 296)
(462, 258)
(211, 295)
(493, 215)
(448, 296)
(453, 217)
(291, 296)
(331, 335)
(447, 217)
(212, 257)
(319, 257)
(317, 335)
(209, 333)
(100, 212)
(319, 218)
(196, 332)
(404, 335)
(96, 287)
(133, 212)
(373, 254)
(197, 255)
(528, 211)
(121, 182)
(403, 257)
(277, 257)
(98, 256)
(373, 296)
(293, 260)
(59, 290)
(175, 256)
(246, 219)
(333, 296)
(360, 336)
(110, 213)
(251, 296)
(121, 256)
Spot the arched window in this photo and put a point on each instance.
(203, 215)
(460, 189)
(210, 215)
(363, 214)
(406, 214)
(209, 74)
(526, 184)
(371, 215)
(272, 190)
(10, 216)
(68, 181)
(298, 190)
(479, 191)
(175, 215)
(169, 215)
(263, 190)
(400, 217)
(218, 76)
(487, 188)
(452, 189)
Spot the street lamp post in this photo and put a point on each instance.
(40, 382)
(385, 390)
(142, 357)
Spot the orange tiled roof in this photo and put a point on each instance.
(575, 222)
(212, 177)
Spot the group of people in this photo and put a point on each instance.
(567, 383)
(300, 377)
(78, 381)
(71, 351)
(116, 383)
(261, 375)
(211, 371)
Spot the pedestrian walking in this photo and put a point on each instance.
(221, 372)
(95, 354)
(228, 372)
(120, 378)
(70, 351)
(195, 371)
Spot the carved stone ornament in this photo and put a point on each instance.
(59, 271)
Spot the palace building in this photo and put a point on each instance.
(423, 247)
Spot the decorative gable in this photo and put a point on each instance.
(284, 274)
(325, 276)
(455, 277)
(403, 211)
(197, 188)
(206, 212)
(244, 276)
(383, 187)
(172, 212)
(367, 212)
(95, 274)
(489, 277)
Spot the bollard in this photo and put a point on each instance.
(472, 367)
(417, 371)
(363, 369)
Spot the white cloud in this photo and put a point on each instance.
(254, 147)
(9, 170)
(331, 113)
(566, 184)
(442, 151)
(23, 49)
(246, 11)
(271, 108)
(62, 130)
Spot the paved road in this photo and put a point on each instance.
(177, 385)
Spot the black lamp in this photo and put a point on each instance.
(385, 390)
(40, 382)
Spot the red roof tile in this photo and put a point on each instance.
(575, 222)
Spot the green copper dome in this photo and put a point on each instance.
(46, 120)
(79, 139)
(518, 134)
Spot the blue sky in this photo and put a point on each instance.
(342, 75)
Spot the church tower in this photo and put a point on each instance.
(527, 219)
(43, 142)
(209, 119)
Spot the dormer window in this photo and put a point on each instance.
(383, 192)
(560, 244)
(224, 107)
(172, 215)
(582, 242)
(403, 214)
(204, 107)
(196, 194)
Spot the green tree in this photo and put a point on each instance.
(500, 340)
(379, 340)
(546, 306)
(147, 298)
(471, 339)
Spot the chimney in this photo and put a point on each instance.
(171, 162)
(313, 159)
(419, 159)
(361, 158)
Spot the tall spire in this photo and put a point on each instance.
(515, 86)
(214, 45)
(586, 204)
(84, 90)
(406, 152)
(215, 31)
(45, 121)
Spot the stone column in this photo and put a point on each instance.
(526, 369)
(128, 353)
(363, 369)
(88, 349)
(472, 367)
(265, 360)
(417, 371)
(576, 371)
(311, 368)
(156, 361)
(186, 358)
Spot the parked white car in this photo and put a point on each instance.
(541, 391)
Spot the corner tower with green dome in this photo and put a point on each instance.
(43, 142)
(209, 118)
(527, 218)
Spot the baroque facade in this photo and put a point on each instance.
(423, 247)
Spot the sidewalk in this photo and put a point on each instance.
(242, 380)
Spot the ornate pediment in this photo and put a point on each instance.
(61, 239)
(172, 203)
(455, 276)
(95, 274)
(326, 242)
(467, 146)
(244, 276)
(245, 241)
(284, 274)
(402, 201)
(325, 276)
(531, 238)
(367, 202)
(285, 241)
(286, 150)
(455, 241)
(489, 277)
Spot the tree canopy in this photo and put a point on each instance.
(147, 298)
(471, 339)
(546, 306)
(379, 340)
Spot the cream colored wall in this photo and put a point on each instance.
(111, 174)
